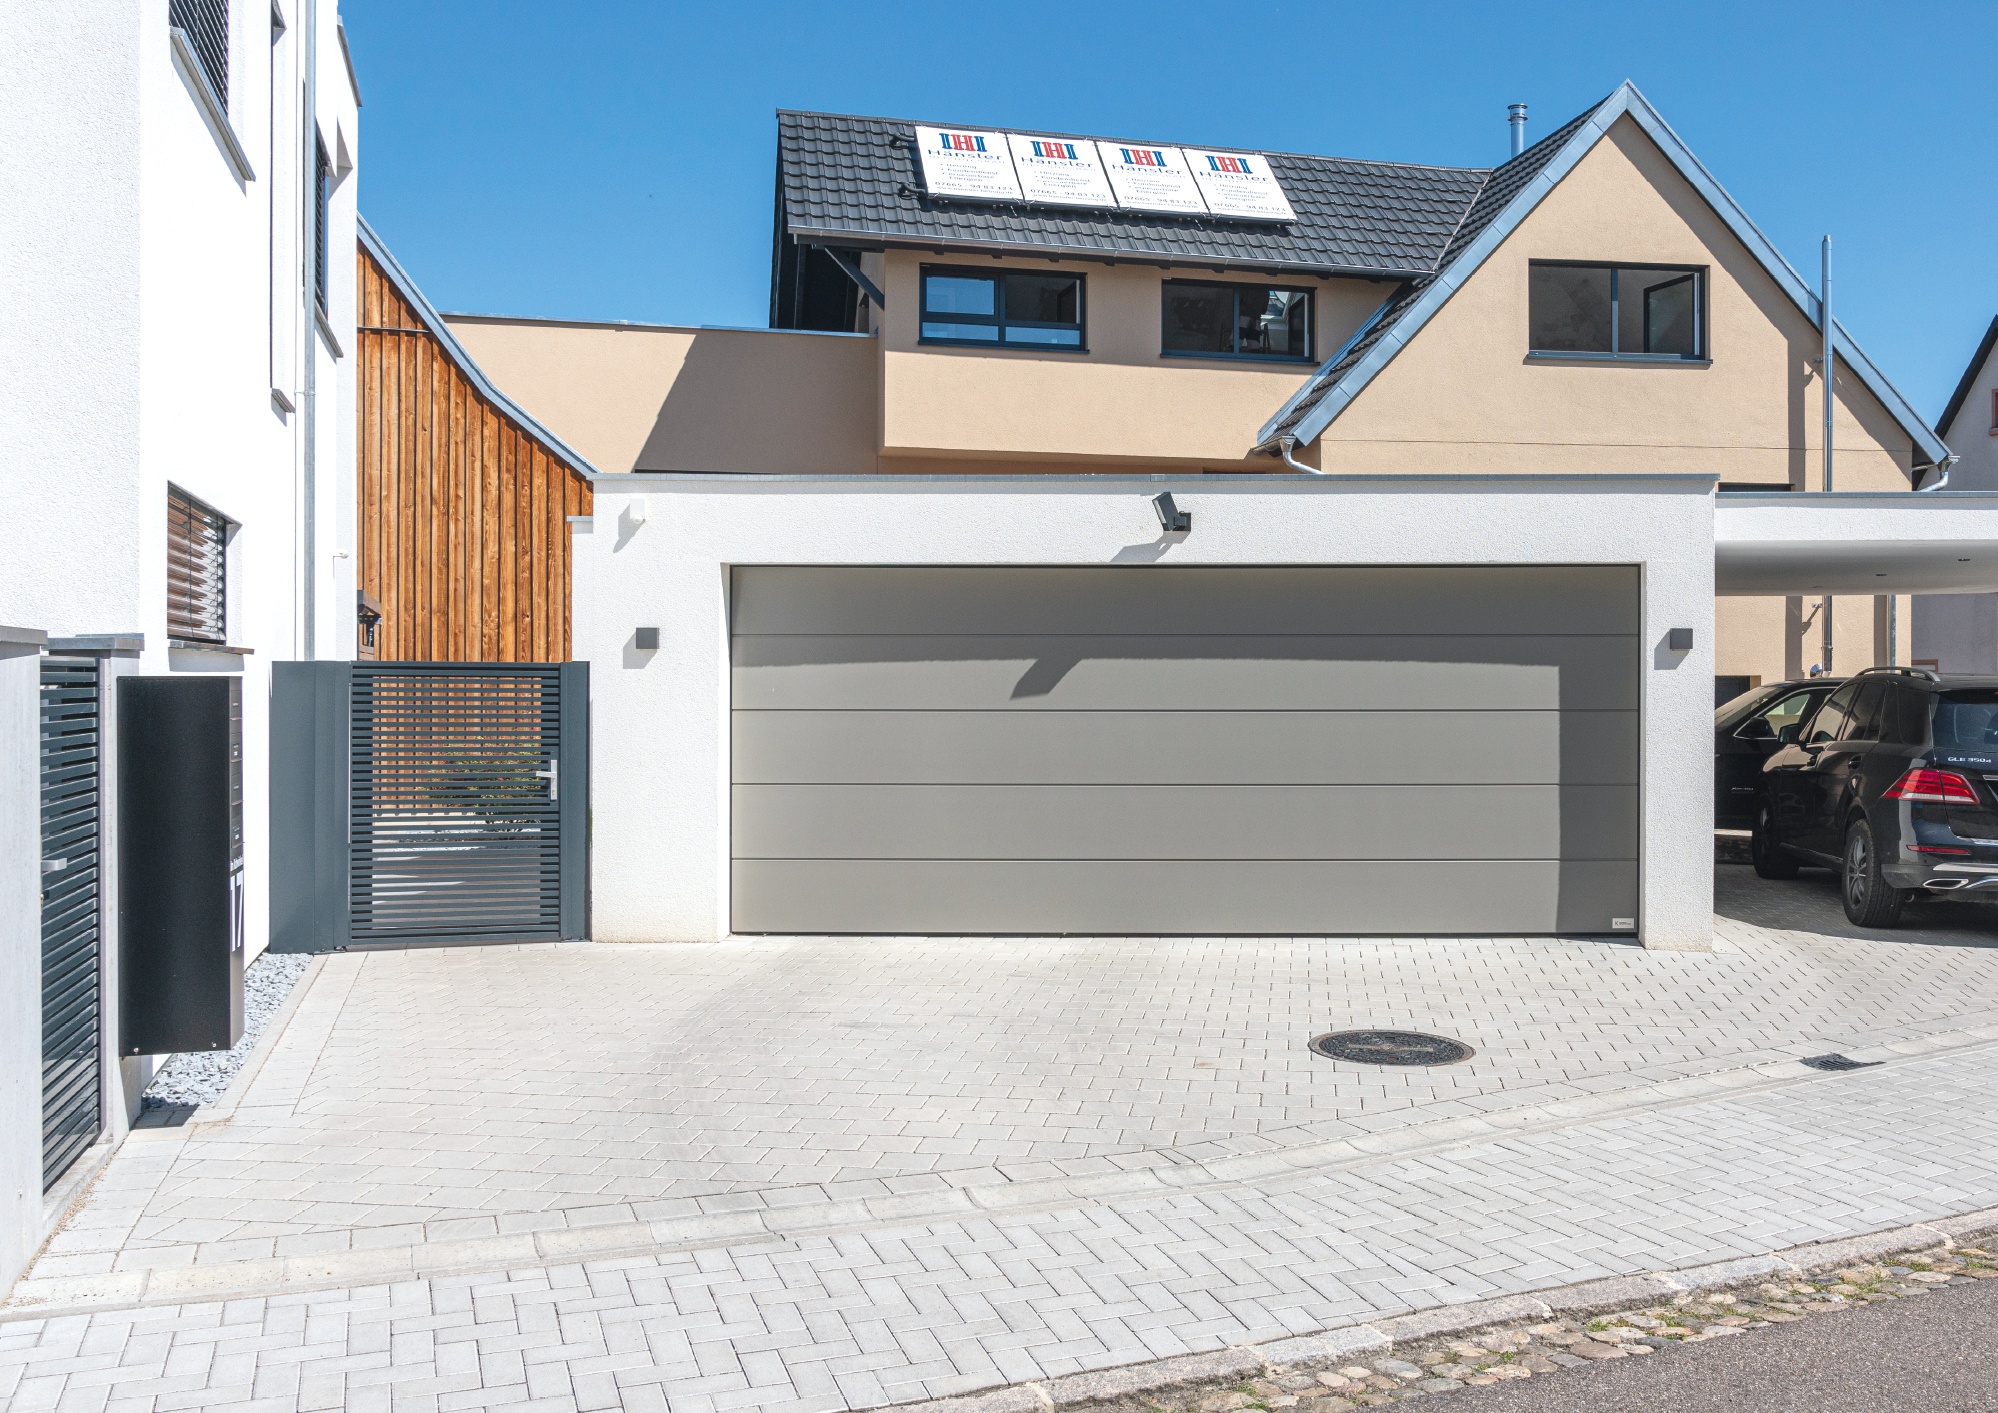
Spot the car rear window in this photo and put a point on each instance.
(1967, 720)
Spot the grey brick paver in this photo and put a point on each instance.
(855, 1318)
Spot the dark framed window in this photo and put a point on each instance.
(197, 581)
(1994, 410)
(322, 199)
(1205, 319)
(206, 24)
(1617, 311)
(1002, 309)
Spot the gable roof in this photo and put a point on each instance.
(1504, 201)
(1969, 381)
(857, 183)
(434, 323)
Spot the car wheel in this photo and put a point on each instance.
(1870, 901)
(1769, 861)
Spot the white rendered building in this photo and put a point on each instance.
(177, 218)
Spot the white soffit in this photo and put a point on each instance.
(967, 162)
(1856, 543)
(1055, 171)
(1239, 184)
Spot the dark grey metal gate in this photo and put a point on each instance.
(422, 803)
(71, 986)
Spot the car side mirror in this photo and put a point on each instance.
(1757, 728)
(1790, 734)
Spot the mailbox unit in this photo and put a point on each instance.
(180, 863)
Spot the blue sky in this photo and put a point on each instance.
(615, 160)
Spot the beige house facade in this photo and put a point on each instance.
(847, 383)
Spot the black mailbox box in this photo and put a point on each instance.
(180, 863)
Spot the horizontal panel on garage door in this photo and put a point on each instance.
(1151, 749)
(1346, 672)
(1456, 599)
(1185, 821)
(1186, 747)
(1146, 898)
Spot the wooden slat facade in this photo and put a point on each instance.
(464, 536)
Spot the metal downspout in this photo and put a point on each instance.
(1831, 385)
(308, 281)
(1292, 462)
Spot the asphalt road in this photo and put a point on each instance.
(1936, 1353)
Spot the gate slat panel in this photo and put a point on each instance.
(455, 830)
(71, 1015)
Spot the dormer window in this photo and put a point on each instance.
(1003, 308)
(1642, 312)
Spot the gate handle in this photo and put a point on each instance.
(553, 775)
(54, 865)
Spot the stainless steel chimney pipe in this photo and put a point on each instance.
(1516, 115)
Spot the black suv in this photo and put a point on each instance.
(1747, 732)
(1891, 782)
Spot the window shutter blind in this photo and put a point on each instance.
(196, 535)
(207, 26)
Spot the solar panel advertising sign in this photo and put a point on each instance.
(966, 162)
(1044, 170)
(1151, 178)
(1057, 171)
(1239, 184)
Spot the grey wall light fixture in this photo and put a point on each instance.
(1680, 640)
(646, 640)
(1172, 519)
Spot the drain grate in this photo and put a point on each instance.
(1391, 1047)
(1838, 1062)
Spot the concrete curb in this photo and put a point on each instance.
(1589, 1297)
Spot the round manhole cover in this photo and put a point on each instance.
(1391, 1047)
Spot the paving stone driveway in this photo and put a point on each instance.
(976, 1162)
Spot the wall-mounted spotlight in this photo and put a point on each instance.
(1172, 519)
(646, 640)
(1679, 640)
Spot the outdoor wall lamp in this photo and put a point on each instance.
(1172, 519)
(646, 640)
(1680, 640)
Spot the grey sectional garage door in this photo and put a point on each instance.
(1147, 750)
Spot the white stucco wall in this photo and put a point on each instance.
(660, 730)
(69, 339)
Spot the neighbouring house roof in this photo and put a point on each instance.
(434, 323)
(856, 183)
(1506, 196)
(1976, 366)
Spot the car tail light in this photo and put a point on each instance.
(1942, 787)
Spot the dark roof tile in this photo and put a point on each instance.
(846, 180)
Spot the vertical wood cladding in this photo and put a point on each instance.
(464, 537)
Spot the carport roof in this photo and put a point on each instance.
(1856, 542)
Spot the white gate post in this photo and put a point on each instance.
(20, 950)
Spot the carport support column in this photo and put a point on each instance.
(1676, 850)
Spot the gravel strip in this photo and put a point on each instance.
(200, 1077)
(1426, 1368)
